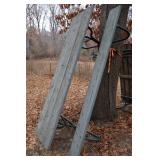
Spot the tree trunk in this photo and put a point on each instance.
(104, 108)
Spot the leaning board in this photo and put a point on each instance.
(54, 102)
(95, 81)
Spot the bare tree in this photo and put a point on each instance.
(29, 16)
(52, 19)
(37, 13)
(44, 19)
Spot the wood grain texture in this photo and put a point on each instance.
(98, 70)
(126, 72)
(125, 76)
(55, 100)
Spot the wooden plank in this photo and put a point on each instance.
(98, 70)
(130, 73)
(126, 69)
(125, 72)
(62, 79)
(126, 76)
(122, 80)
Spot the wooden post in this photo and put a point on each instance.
(98, 70)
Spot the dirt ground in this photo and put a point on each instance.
(116, 137)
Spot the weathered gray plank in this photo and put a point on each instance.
(95, 82)
(62, 79)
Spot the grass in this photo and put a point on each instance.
(47, 67)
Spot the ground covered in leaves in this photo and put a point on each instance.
(116, 137)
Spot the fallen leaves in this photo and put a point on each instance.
(116, 136)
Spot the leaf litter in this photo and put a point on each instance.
(116, 137)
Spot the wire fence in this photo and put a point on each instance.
(47, 67)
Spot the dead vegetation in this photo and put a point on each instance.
(116, 137)
(48, 66)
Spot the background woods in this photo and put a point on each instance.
(46, 27)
